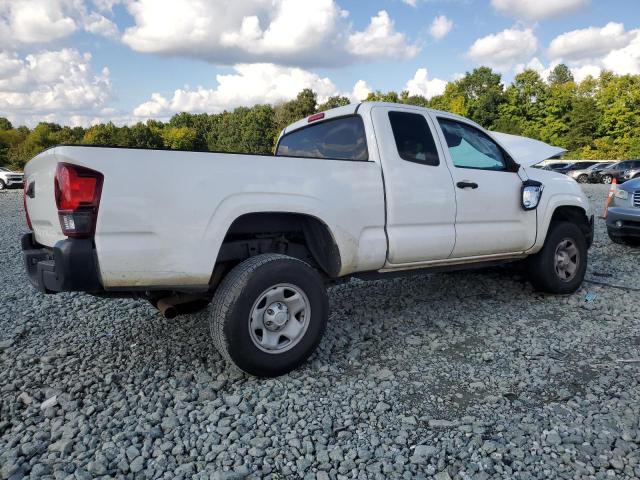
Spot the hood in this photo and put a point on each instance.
(527, 151)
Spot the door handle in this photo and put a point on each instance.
(467, 185)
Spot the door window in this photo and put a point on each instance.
(413, 137)
(470, 147)
(337, 139)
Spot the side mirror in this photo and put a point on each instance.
(531, 194)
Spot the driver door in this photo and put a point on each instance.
(489, 216)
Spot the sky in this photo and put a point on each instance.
(80, 62)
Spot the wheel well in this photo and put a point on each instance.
(574, 215)
(298, 235)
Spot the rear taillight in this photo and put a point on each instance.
(26, 212)
(77, 191)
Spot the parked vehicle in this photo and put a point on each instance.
(579, 171)
(620, 171)
(362, 190)
(595, 172)
(623, 214)
(633, 172)
(9, 179)
(558, 166)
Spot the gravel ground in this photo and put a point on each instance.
(462, 375)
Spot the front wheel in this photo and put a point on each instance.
(582, 178)
(561, 264)
(607, 179)
(269, 314)
(2, 185)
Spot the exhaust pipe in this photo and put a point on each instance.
(169, 307)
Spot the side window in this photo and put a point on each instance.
(413, 137)
(339, 139)
(470, 147)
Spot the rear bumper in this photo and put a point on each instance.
(70, 266)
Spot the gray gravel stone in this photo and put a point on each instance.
(469, 375)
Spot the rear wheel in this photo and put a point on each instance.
(2, 185)
(607, 179)
(582, 178)
(269, 314)
(561, 264)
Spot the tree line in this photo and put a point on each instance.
(597, 118)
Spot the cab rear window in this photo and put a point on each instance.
(335, 139)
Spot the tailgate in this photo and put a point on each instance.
(39, 176)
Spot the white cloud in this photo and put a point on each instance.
(536, 65)
(380, 40)
(504, 50)
(47, 83)
(360, 92)
(421, 85)
(625, 60)
(580, 73)
(35, 21)
(249, 85)
(589, 42)
(440, 26)
(590, 50)
(283, 31)
(537, 9)
(28, 22)
(411, 3)
(100, 25)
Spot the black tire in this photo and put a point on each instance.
(541, 267)
(232, 309)
(607, 179)
(2, 185)
(582, 178)
(623, 240)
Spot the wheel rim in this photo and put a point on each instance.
(607, 179)
(279, 318)
(582, 179)
(567, 260)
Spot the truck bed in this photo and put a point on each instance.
(164, 214)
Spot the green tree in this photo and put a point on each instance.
(5, 124)
(560, 74)
(483, 92)
(333, 102)
(179, 138)
(302, 106)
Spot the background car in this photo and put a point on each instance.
(9, 179)
(618, 171)
(595, 171)
(578, 167)
(633, 172)
(557, 166)
(579, 171)
(623, 214)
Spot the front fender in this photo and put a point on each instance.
(548, 208)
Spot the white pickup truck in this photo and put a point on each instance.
(361, 190)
